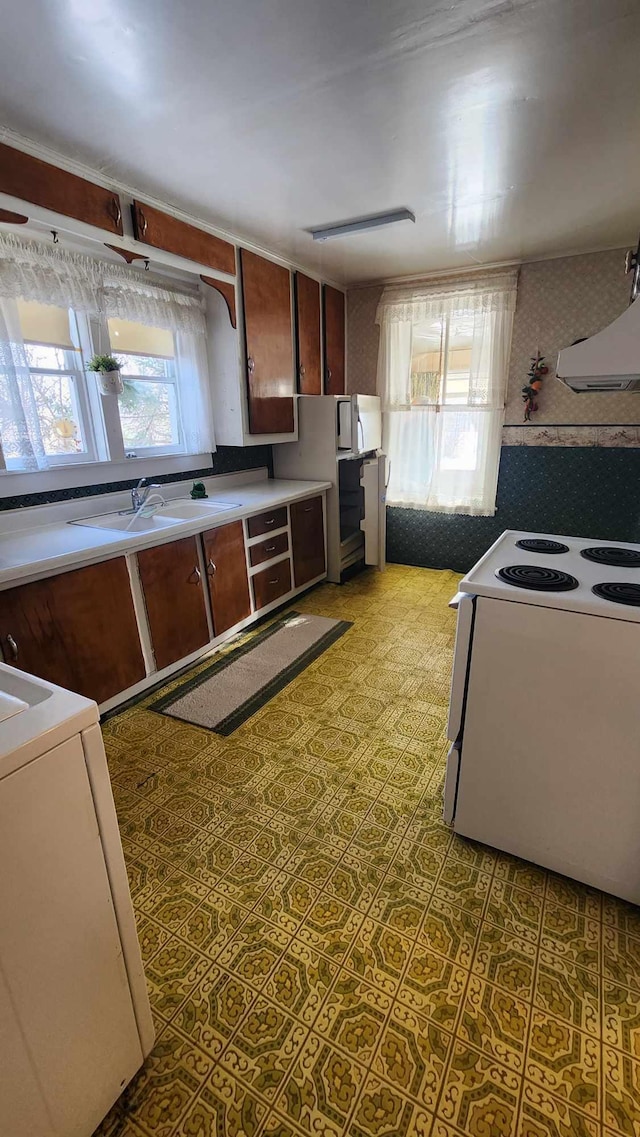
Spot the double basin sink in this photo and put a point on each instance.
(163, 516)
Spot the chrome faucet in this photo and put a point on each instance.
(140, 493)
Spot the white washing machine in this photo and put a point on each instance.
(75, 1021)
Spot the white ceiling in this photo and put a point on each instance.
(510, 127)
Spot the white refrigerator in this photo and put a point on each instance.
(339, 439)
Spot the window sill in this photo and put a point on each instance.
(13, 483)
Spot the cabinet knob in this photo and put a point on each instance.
(142, 222)
(13, 647)
(195, 576)
(251, 365)
(211, 568)
(301, 371)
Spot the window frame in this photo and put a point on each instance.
(109, 461)
(174, 448)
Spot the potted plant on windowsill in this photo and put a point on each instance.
(107, 368)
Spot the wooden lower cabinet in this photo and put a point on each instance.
(227, 575)
(77, 629)
(174, 599)
(307, 540)
(271, 583)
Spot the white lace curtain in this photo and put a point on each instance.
(444, 456)
(33, 270)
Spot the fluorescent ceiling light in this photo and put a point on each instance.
(359, 224)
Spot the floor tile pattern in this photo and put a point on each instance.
(323, 954)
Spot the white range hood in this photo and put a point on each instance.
(607, 361)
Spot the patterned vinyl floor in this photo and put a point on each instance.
(323, 955)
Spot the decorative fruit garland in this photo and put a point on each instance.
(537, 371)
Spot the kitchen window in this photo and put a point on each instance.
(442, 377)
(149, 407)
(57, 309)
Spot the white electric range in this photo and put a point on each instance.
(544, 717)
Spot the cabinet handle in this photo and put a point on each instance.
(196, 573)
(116, 212)
(269, 548)
(328, 372)
(13, 647)
(301, 371)
(211, 568)
(142, 222)
(307, 509)
(251, 365)
(275, 580)
(270, 521)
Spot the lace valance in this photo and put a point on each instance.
(32, 270)
(430, 299)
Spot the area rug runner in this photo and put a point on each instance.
(234, 687)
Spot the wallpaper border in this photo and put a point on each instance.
(612, 435)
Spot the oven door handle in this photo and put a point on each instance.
(461, 659)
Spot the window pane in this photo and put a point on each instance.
(148, 414)
(426, 362)
(456, 387)
(55, 358)
(56, 406)
(150, 365)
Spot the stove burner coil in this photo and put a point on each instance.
(538, 578)
(541, 545)
(621, 592)
(615, 558)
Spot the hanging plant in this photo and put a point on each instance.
(107, 368)
(537, 372)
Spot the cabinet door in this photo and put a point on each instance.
(174, 598)
(227, 575)
(334, 327)
(307, 539)
(78, 630)
(266, 293)
(165, 232)
(308, 334)
(36, 181)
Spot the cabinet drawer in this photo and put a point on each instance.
(271, 583)
(267, 522)
(268, 549)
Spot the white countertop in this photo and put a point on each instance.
(29, 552)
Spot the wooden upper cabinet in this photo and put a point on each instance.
(174, 599)
(307, 540)
(36, 181)
(227, 575)
(308, 334)
(266, 294)
(162, 231)
(77, 629)
(334, 349)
